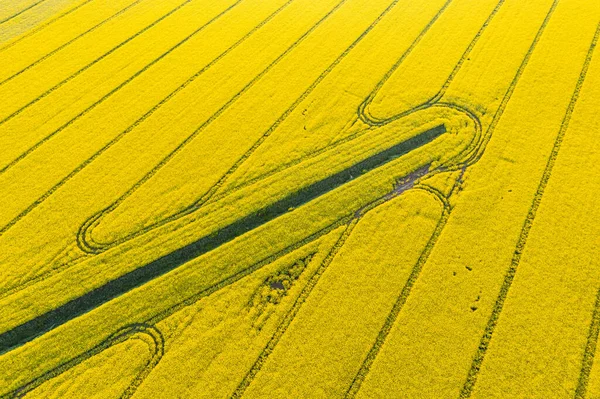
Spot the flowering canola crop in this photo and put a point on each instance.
(299, 199)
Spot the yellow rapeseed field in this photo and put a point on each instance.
(299, 199)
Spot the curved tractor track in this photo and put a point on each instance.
(479, 137)
(156, 346)
(85, 239)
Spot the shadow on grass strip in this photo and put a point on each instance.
(80, 238)
(144, 274)
(402, 185)
(84, 236)
(140, 120)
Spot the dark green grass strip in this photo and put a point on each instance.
(144, 274)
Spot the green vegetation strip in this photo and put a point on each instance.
(144, 274)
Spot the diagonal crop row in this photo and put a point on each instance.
(414, 276)
(44, 25)
(173, 260)
(589, 352)
(406, 290)
(85, 239)
(392, 317)
(157, 350)
(442, 10)
(11, 17)
(63, 46)
(350, 220)
(79, 72)
(140, 120)
(527, 225)
(353, 389)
